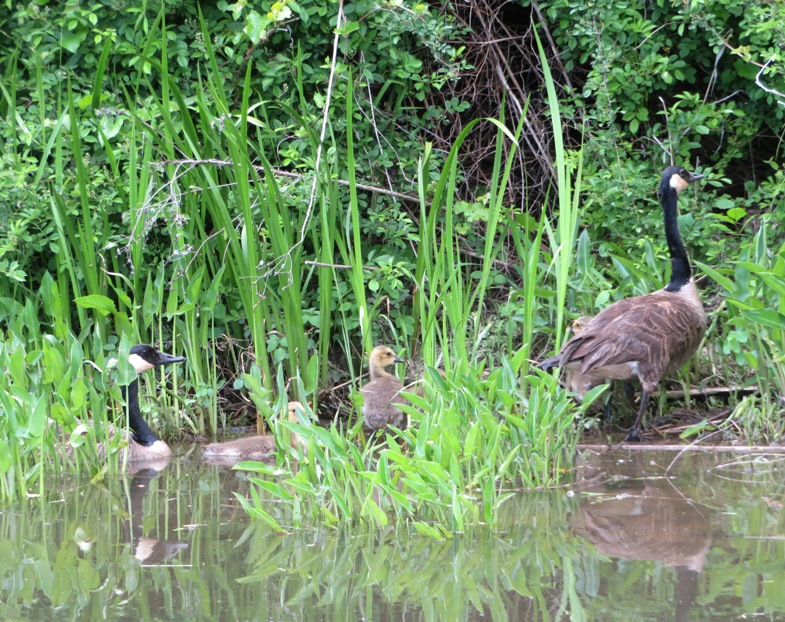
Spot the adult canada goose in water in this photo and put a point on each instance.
(645, 337)
(260, 447)
(143, 444)
(382, 392)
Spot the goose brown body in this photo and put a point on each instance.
(382, 392)
(645, 337)
(260, 447)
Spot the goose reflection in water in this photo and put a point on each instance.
(147, 550)
(643, 516)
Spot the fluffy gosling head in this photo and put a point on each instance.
(381, 358)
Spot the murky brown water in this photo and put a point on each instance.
(628, 542)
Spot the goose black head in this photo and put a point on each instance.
(677, 178)
(144, 357)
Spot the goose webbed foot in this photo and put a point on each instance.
(634, 435)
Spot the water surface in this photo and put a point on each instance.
(639, 536)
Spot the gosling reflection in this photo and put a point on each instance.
(646, 517)
(147, 550)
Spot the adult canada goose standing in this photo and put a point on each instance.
(143, 444)
(645, 337)
(382, 392)
(259, 447)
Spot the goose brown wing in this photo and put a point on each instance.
(659, 330)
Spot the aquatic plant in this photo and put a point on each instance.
(474, 439)
(245, 270)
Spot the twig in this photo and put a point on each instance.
(713, 392)
(320, 264)
(291, 175)
(742, 449)
(759, 82)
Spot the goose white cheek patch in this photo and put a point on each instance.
(677, 183)
(140, 365)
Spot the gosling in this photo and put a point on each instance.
(260, 448)
(382, 392)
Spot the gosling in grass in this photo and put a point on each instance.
(574, 381)
(260, 448)
(580, 384)
(382, 392)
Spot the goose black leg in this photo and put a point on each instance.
(634, 435)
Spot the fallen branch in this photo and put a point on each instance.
(742, 449)
(713, 392)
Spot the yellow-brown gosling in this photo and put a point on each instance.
(576, 382)
(645, 337)
(260, 447)
(382, 392)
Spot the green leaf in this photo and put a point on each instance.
(765, 317)
(71, 40)
(724, 281)
(255, 26)
(100, 303)
(736, 213)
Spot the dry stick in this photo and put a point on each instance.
(741, 449)
(491, 51)
(506, 75)
(554, 50)
(375, 189)
(692, 445)
(321, 264)
(713, 392)
(759, 82)
(712, 419)
(213, 162)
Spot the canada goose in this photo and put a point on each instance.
(143, 444)
(645, 337)
(381, 392)
(260, 447)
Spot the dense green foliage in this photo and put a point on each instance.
(254, 183)
(170, 217)
(702, 85)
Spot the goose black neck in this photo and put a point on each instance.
(142, 433)
(681, 273)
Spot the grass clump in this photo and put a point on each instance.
(475, 440)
